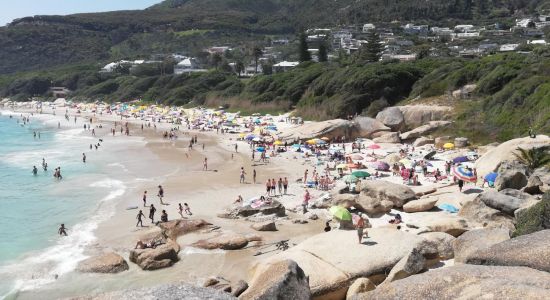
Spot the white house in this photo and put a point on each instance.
(284, 66)
(187, 65)
(463, 28)
(508, 47)
(537, 42)
(523, 22)
(368, 27)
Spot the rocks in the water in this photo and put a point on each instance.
(265, 226)
(437, 245)
(166, 291)
(373, 206)
(162, 256)
(409, 265)
(421, 141)
(360, 285)
(530, 250)
(225, 241)
(461, 142)
(417, 115)
(467, 282)
(238, 288)
(105, 263)
(275, 208)
(419, 205)
(398, 194)
(424, 130)
(367, 127)
(534, 185)
(175, 228)
(476, 240)
(391, 117)
(511, 175)
(504, 203)
(534, 218)
(282, 279)
(390, 137)
(333, 260)
(476, 212)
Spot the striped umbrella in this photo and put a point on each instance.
(464, 174)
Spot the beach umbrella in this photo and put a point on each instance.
(361, 174)
(350, 179)
(430, 155)
(250, 137)
(311, 142)
(342, 166)
(449, 146)
(260, 149)
(340, 213)
(406, 162)
(464, 174)
(491, 177)
(392, 158)
(257, 139)
(381, 166)
(356, 157)
(460, 159)
(326, 139)
(374, 146)
(296, 146)
(278, 143)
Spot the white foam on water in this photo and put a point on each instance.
(58, 260)
(193, 250)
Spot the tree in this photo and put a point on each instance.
(257, 53)
(373, 49)
(422, 51)
(303, 51)
(323, 56)
(267, 69)
(216, 60)
(239, 67)
(533, 158)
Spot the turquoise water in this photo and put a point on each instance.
(33, 207)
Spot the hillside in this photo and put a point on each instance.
(47, 41)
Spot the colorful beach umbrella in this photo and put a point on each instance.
(340, 213)
(260, 149)
(380, 166)
(361, 174)
(278, 143)
(342, 166)
(464, 174)
(350, 179)
(449, 146)
(326, 139)
(356, 157)
(460, 159)
(491, 177)
(373, 146)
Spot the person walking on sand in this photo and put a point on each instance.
(161, 194)
(62, 230)
(180, 210)
(138, 217)
(205, 164)
(360, 228)
(187, 209)
(274, 186)
(285, 185)
(254, 176)
(145, 199)
(236, 147)
(307, 197)
(243, 173)
(268, 186)
(305, 176)
(280, 186)
(152, 211)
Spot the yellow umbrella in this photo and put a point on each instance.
(277, 143)
(342, 166)
(311, 142)
(242, 135)
(449, 146)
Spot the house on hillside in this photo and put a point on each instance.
(218, 49)
(284, 66)
(368, 27)
(187, 65)
(416, 29)
(508, 47)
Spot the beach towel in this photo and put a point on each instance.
(448, 207)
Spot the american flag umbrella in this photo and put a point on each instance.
(464, 174)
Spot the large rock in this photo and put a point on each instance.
(162, 256)
(409, 265)
(511, 175)
(423, 140)
(166, 291)
(105, 263)
(433, 222)
(225, 241)
(238, 288)
(385, 190)
(331, 129)
(360, 285)
(391, 117)
(368, 127)
(534, 218)
(491, 160)
(467, 282)
(530, 250)
(437, 245)
(461, 142)
(390, 137)
(373, 206)
(275, 208)
(418, 115)
(504, 203)
(534, 185)
(175, 228)
(479, 214)
(476, 240)
(333, 260)
(420, 205)
(265, 226)
(424, 130)
(282, 279)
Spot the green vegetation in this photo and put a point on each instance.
(535, 218)
(533, 158)
(373, 49)
(303, 51)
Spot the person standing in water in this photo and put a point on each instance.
(62, 230)
(34, 170)
(145, 199)
(161, 194)
(152, 211)
(83, 157)
(138, 217)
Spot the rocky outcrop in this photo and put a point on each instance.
(225, 241)
(167, 291)
(504, 203)
(418, 115)
(424, 130)
(433, 222)
(390, 137)
(162, 256)
(511, 175)
(275, 209)
(476, 240)
(481, 215)
(409, 265)
(264, 226)
(398, 194)
(368, 127)
(530, 250)
(105, 263)
(175, 228)
(461, 142)
(534, 185)
(491, 160)
(437, 245)
(534, 218)
(420, 205)
(360, 285)
(331, 129)
(423, 140)
(373, 206)
(467, 282)
(238, 288)
(391, 117)
(278, 280)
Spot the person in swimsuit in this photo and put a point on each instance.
(254, 176)
(34, 170)
(273, 186)
(62, 230)
(268, 186)
(145, 199)
(152, 211)
(161, 194)
(280, 186)
(205, 164)
(187, 209)
(83, 157)
(242, 175)
(180, 210)
(164, 216)
(138, 217)
(285, 185)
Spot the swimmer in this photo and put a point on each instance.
(62, 230)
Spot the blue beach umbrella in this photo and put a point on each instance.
(491, 177)
(461, 159)
(260, 149)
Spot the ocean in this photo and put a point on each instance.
(32, 253)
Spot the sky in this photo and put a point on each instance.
(13, 9)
